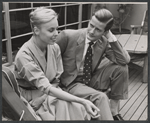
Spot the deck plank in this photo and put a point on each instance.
(144, 115)
(131, 73)
(131, 90)
(140, 110)
(135, 107)
(135, 76)
(135, 80)
(129, 102)
(135, 101)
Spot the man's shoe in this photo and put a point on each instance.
(118, 117)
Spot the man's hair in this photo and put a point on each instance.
(105, 16)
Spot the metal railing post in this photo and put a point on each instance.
(80, 16)
(7, 32)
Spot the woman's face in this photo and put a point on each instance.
(47, 32)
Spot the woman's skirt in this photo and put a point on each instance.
(52, 108)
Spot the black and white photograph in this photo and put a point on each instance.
(74, 61)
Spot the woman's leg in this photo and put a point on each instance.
(71, 111)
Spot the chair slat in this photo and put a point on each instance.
(123, 39)
(131, 44)
(142, 45)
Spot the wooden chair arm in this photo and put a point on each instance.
(134, 28)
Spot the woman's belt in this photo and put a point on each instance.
(28, 88)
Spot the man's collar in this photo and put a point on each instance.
(87, 41)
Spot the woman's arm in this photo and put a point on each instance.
(89, 106)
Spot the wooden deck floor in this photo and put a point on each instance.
(136, 106)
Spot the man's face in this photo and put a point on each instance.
(95, 29)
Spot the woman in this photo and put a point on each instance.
(39, 63)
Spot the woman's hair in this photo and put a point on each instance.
(41, 15)
(105, 16)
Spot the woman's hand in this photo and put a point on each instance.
(91, 109)
(89, 106)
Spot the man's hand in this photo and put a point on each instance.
(91, 109)
(110, 37)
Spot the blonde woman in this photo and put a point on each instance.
(39, 63)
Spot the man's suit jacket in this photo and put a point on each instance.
(72, 44)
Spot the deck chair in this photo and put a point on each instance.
(143, 30)
(14, 106)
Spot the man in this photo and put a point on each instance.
(82, 75)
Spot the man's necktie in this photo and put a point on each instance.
(87, 69)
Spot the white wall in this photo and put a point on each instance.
(136, 14)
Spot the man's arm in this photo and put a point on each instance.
(115, 52)
(62, 41)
